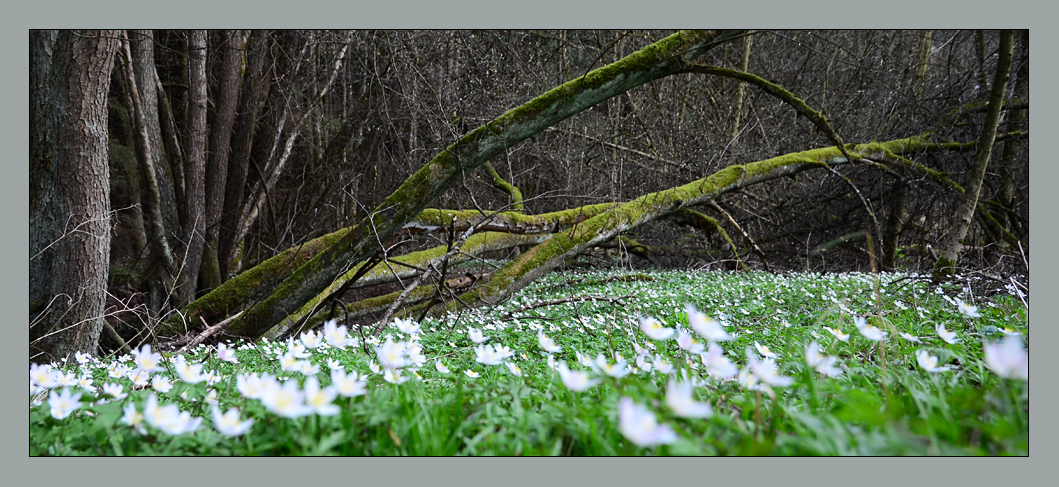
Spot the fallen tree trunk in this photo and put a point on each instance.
(237, 293)
(544, 257)
(414, 263)
(668, 56)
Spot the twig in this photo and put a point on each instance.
(210, 331)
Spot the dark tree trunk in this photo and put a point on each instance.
(144, 113)
(1010, 172)
(255, 88)
(220, 145)
(142, 44)
(69, 190)
(195, 193)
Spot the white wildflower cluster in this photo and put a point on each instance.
(288, 400)
(395, 358)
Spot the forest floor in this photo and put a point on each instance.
(587, 363)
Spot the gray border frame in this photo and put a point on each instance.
(493, 14)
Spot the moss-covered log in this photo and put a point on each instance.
(475, 246)
(259, 281)
(663, 58)
(236, 293)
(544, 257)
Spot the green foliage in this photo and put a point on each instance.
(882, 404)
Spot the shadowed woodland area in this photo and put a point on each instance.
(191, 185)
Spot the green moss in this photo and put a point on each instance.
(624, 217)
(662, 58)
(231, 296)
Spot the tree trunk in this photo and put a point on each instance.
(195, 192)
(255, 89)
(946, 263)
(740, 94)
(146, 152)
(663, 58)
(142, 44)
(919, 75)
(257, 282)
(69, 190)
(1010, 174)
(220, 144)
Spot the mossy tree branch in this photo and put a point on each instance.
(663, 58)
(817, 118)
(546, 256)
(706, 224)
(510, 189)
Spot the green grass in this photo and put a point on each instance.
(882, 404)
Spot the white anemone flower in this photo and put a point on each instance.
(476, 335)
(948, 336)
(678, 398)
(161, 384)
(640, 426)
(687, 342)
(766, 371)
(615, 370)
(654, 330)
(311, 340)
(394, 376)
(929, 362)
(487, 355)
(871, 332)
(1008, 359)
(717, 365)
(63, 403)
(43, 375)
(285, 400)
(391, 355)
(134, 418)
(147, 361)
(226, 354)
(837, 333)
(824, 364)
(967, 310)
(229, 424)
(661, 365)
(190, 373)
(575, 380)
(336, 336)
(764, 350)
(547, 343)
(408, 327)
(705, 326)
(320, 398)
(348, 385)
(906, 336)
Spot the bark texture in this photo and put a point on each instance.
(69, 190)
(194, 234)
(220, 147)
